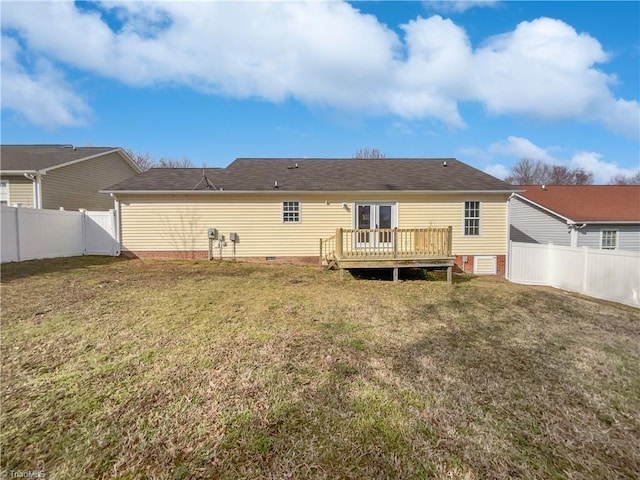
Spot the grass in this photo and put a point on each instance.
(118, 368)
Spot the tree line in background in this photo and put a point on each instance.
(537, 172)
(525, 172)
(145, 161)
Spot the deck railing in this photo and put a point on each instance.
(386, 243)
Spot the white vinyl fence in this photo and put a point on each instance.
(29, 233)
(607, 274)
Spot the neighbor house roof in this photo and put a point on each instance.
(587, 203)
(319, 175)
(38, 158)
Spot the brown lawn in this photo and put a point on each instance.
(118, 368)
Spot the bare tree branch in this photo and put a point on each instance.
(369, 153)
(145, 161)
(626, 179)
(536, 172)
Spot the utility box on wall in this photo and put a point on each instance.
(212, 233)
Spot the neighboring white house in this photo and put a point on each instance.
(596, 216)
(61, 176)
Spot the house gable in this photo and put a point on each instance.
(78, 184)
(530, 223)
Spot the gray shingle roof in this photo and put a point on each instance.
(40, 157)
(320, 175)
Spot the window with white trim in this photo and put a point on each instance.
(4, 193)
(472, 218)
(290, 212)
(609, 239)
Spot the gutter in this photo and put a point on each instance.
(584, 223)
(303, 192)
(18, 172)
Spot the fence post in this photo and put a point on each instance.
(507, 267)
(114, 232)
(18, 218)
(83, 228)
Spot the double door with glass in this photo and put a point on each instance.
(375, 216)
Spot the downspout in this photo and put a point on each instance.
(37, 188)
(116, 204)
(507, 272)
(574, 227)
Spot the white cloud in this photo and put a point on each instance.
(602, 171)
(506, 153)
(42, 96)
(521, 148)
(330, 54)
(545, 69)
(498, 170)
(455, 6)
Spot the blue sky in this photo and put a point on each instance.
(486, 82)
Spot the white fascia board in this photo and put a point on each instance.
(568, 220)
(129, 160)
(307, 192)
(83, 159)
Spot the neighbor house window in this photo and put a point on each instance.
(4, 193)
(609, 240)
(472, 218)
(290, 212)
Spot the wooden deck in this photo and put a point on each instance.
(388, 248)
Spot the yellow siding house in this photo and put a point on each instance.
(295, 210)
(61, 176)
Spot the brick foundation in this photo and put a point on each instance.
(461, 267)
(204, 255)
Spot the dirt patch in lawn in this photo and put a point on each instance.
(187, 369)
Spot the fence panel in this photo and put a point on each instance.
(9, 235)
(528, 263)
(566, 267)
(49, 233)
(609, 275)
(613, 276)
(100, 237)
(29, 233)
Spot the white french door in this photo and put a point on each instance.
(370, 216)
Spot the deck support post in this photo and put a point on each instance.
(449, 275)
(395, 274)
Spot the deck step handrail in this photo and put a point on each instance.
(390, 242)
(327, 250)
